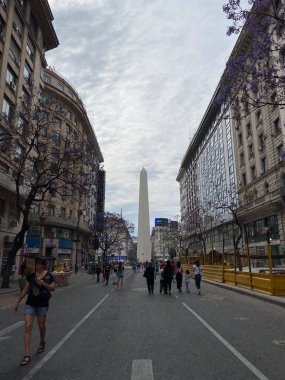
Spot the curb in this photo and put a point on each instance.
(250, 293)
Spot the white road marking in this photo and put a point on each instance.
(11, 328)
(142, 370)
(62, 341)
(250, 366)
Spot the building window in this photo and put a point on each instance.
(17, 25)
(253, 172)
(6, 108)
(241, 159)
(263, 165)
(60, 86)
(14, 51)
(63, 212)
(243, 179)
(250, 151)
(277, 125)
(57, 122)
(33, 26)
(240, 142)
(20, 125)
(248, 130)
(258, 118)
(30, 50)
(18, 153)
(266, 188)
(27, 73)
(51, 210)
(261, 143)
(46, 79)
(4, 3)
(280, 153)
(11, 79)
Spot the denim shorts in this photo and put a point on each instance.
(35, 311)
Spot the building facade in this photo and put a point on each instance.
(26, 33)
(235, 163)
(63, 228)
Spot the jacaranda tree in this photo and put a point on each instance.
(255, 71)
(44, 161)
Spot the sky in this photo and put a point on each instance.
(146, 71)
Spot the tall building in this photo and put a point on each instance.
(236, 158)
(26, 33)
(164, 239)
(61, 226)
(144, 243)
(65, 228)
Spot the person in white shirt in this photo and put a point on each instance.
(198, 276)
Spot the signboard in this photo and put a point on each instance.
(158, 222)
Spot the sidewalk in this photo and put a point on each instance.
(14, 284)
(277, 300)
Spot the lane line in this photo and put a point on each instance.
(142, 370)
(40, 364)
(247, 363)
(11, 328)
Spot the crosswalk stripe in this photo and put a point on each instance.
(142, 370)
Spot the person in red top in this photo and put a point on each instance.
(39, 285)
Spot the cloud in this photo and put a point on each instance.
(146, 71)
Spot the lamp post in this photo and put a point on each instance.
(80, 212)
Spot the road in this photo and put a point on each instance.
(101, 332)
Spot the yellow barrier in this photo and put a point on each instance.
(260, 282)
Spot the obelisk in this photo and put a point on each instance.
(144, 244)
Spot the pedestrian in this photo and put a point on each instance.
(168, 276)
(173, 269)
(198, 276)
(76, 268)
(13, 272)
(149, 274)
(107, 270)
(157, 267)
(187, 280)
(98, 271)
(161, 282)
(93, 270)
(23, 269)
(179, 276)
(38, 287)
(115, 271)
(120, 274)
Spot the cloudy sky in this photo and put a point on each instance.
(146, 71)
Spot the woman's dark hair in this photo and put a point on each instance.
(197, 263)
(178, 264)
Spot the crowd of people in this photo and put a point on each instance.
(171, 273)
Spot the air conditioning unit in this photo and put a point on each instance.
(15, 26)
(3, 4)
(13, 223)
(12, 85)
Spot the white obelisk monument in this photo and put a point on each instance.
(144, 244)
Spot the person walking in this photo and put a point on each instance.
(115, 272)
(187, 280)
(38, 287)
(168, 277)
(149, 275)
(107, 270)
(179, 276)
(120, 274)
(98, 271)
(198, 276)
(173, 265)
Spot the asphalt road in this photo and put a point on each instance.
(100, 332)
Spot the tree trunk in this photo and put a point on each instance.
(17, 244)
